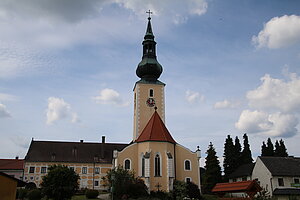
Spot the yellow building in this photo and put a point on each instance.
(153, 154)
(8, 186)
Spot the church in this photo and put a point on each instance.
(153, 153)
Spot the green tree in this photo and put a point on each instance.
(213, 170)
(277, 149)
(283, 151)
(229, 157)
(60, 183)
(179, 190)
(237, 153)
(193, 191)
(270, 148)
(246, 155)
(264, 149)
(123, 183)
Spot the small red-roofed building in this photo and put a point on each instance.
(251, 188)
(13, 167)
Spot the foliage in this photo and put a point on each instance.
(124, 183)
(246, 155)
(34, 194)
(91, 194)
(237, 154)
(193, 191)
(60, 183)
(22, 193)
(179, 190)
(229, 157)
(264, 149)
(213, 170)
(160, 195)
(30, 186)
(268, 150)
(210, 197)
(280, 149)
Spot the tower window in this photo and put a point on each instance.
(143, 166)
(127, 164)
(187, 165)
(157, 165)
(151, 93)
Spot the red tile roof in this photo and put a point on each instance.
(241, 186)
(155, 130)
(11, 164)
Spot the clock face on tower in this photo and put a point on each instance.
(150, 102)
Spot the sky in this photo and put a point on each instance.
(67, 70)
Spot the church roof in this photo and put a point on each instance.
(155, 130)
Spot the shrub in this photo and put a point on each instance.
(34, 194)
(193, 191)
(91, 194)
(21, 193)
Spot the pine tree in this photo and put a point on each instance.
(270, 148)
(264, 149)
(212, 174)
(229, 161)
(283, 151)
(246, 156)
(277, 149)
(237, 153)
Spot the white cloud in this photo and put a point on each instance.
(274, 125)
(58, 109)
(3, 111)
(193, 97)
(225, 104)
(7, 97)
(276, 94)
(276, 105)
(110, 96)
(279, 32)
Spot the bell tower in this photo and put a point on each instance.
(149, 92)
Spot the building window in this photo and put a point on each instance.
(244, 179)
(187, 165)
(44, 170)
(296, 180)
(280, 182)
(97, 170)
(234, 180)
(188, 179)
(151, 93)
(143, 166)
(31, 169)
(127, 164)
(72, 168)
(84, 170)
(96, 183)
(157, 165)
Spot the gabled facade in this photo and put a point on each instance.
(278, 175)
(154, 155)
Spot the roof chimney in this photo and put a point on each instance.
(81, 141)
(17, 157)
(103, 138)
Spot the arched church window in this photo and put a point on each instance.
(143, 166)
(127, 164)
(157, 165)
(187, 165)
(151, 93)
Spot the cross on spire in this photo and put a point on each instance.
(149, 12)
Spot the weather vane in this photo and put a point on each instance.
(149, 12)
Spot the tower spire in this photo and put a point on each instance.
(149, 68)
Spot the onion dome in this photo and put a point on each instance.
(149, 69)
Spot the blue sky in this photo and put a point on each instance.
(67, 70)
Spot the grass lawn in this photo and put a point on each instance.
(81, 197)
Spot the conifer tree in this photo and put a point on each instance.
(277, 149)
(264, 149)
(246, 156)
(237, 153)
(213, 170)
(283, 151)
(270, 148)
(229, 161)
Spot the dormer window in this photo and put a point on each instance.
(53, 156)
(74, 151)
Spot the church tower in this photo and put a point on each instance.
(149, 92)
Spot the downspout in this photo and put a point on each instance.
(174, 161)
